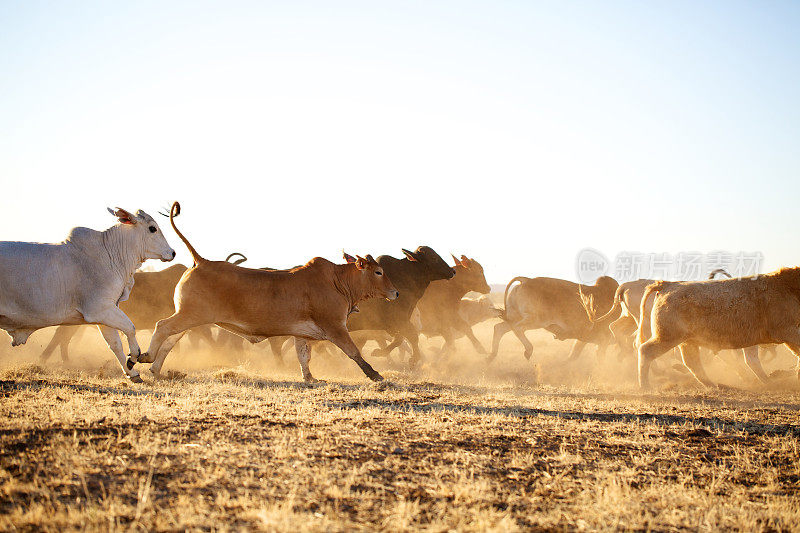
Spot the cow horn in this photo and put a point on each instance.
(409, 255)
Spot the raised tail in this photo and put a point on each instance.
(501, 313)
(174, 211)
(644, 319)
(242, 258)
(720, 271)
(588, 305)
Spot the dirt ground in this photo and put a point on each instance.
(235, 442)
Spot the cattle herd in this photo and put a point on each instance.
(93, 277)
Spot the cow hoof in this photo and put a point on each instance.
(145, 358)
(527, 354)
(376, 377)
(136, 379)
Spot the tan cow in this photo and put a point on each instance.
(723, 314)
(440, 305)
(625, 314)
(555, 305)
(308, 302)
(623, 317)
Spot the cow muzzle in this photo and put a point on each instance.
(392, 295)
(169, 256)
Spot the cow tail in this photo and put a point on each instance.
(242, 258)
(174, 211)
(502, 313)
(615, 307)
(644, 320)
(720, 271)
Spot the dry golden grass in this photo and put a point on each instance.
(456, 446)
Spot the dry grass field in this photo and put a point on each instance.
(238, 443)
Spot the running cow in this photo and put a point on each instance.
(310, 302)
(723, 314)
(556, 305)
(79, 281)
(440, 306)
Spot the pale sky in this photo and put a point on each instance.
(517, 133)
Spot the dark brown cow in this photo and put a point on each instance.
(411, 275)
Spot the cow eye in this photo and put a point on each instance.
(378, 273)
(153, 229)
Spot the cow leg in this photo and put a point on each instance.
(500, 329)
(386, 350)
(276, 346)
(61, 338)
(113, 317)
(411, 334)
(115, 343)
(204, 333)
(304, 356)
(575, 351)
(449, 341)
(795, 349)
(20, 336)
(474, 340)
(648, 351)
(753, 362)
(165, 328)
(519, 330)
(691, 359)
(764, 349)
(341, 338)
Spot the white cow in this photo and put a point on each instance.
(79, 281)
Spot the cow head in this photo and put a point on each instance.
(469, 275)
(375, 282)
(145, 230)
(430, 262)
(597, 299)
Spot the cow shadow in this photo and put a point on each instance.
(661, 420)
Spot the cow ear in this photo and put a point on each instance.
(347, 257)
(361, 263)
(371, 259)
(122, 215)
(409, 255)
(457, 262)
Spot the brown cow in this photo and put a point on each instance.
(723, 314)
(308, 302)
(555, 305)
(440, 304)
